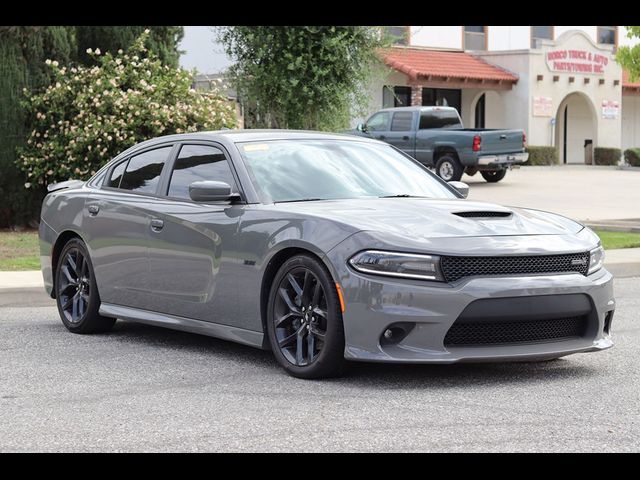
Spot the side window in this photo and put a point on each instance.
(143, 171)
(116, 175)
(196, 163)
(401, 121)
(379, 122)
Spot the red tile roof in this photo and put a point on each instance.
(417, 62)
(627, 83)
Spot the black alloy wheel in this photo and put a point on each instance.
(305, 321)
(76, 291)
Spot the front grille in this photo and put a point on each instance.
(455, 268)
(482, 214)
(482, 333)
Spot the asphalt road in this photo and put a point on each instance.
(142, 388)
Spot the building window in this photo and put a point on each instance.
(442, 97)
(475, 38)
(396, 96)
(608, 35)
(398, 35)
(540, 33)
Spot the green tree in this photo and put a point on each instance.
(302, 77)
(629, 57)
(23, 51)
(89, 114)
(163, 41)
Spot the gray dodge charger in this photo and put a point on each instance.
(323, 248)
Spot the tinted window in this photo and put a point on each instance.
(196, 163)
(116, 175)
(607, 35)
(401, 121)
(439, 119)
(379, 122)
(143, 171)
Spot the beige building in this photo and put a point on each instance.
(565, 91)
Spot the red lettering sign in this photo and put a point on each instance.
(576, 61)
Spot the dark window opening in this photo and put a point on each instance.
(439, 119)
(607, 35)
(540, 33)
(480, 112)
(396, 96)
(475, 38)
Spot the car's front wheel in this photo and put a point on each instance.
(304, 319)
(77, 294)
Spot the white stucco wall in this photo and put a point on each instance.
(437, 36)
(630, 121)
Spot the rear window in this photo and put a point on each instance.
(143, 171)
(401, 121)
(439, 119)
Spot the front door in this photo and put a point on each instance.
(192, 264)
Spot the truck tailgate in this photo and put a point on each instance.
(501, 141)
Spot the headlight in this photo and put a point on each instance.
(393, 264)
(596, 259)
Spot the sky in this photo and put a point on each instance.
(202, 52)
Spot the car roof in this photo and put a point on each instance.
(415, 108)
(239, 136)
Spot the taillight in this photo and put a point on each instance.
(476, 143)
(524, 139)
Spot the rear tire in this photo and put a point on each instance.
(448, 168)
(77, 294)
(493, 176)
(304, 320)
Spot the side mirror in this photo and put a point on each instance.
(210, 191)
(362, 127)
(461, 187)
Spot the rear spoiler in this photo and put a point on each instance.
(62, 185)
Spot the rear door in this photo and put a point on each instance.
(432, 131)
(194, 266)
(501, 141)
(117, 227)
(401, 133)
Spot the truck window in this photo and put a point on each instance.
(439, 119)
(402, 122)
(378, 122)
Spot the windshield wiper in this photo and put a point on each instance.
(402, 195)
(302, 200)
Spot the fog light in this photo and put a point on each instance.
(388, 334)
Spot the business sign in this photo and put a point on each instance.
(610, 109)
(576, 61)
(542, 106)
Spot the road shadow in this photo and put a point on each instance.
(370, 376)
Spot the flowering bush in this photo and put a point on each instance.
(90, 114)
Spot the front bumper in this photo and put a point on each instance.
(375, 303)
(504, 160)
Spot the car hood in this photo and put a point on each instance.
(425, 218)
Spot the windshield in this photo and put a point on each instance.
(297, 170)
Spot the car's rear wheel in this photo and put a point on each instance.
(304, 320)
(448, 168)
(493, 176)
(77, 294)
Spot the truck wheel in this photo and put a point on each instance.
(493, 176)
(448, 168)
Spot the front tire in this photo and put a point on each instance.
(448, 168)
(304, 320)
(493, 176)
(77, 294)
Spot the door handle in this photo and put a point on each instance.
(381, 137)
(93, 209)
(406, 137)
(156, 224)
(503, 137)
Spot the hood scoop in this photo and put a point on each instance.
(483, 214)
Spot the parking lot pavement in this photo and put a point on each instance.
(580, 192)
(142, 388)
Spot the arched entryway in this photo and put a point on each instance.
(488, 110)
(576, 126)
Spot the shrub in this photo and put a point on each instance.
(632, 156)
(606, 156)
(90, 114)
(542, 155)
